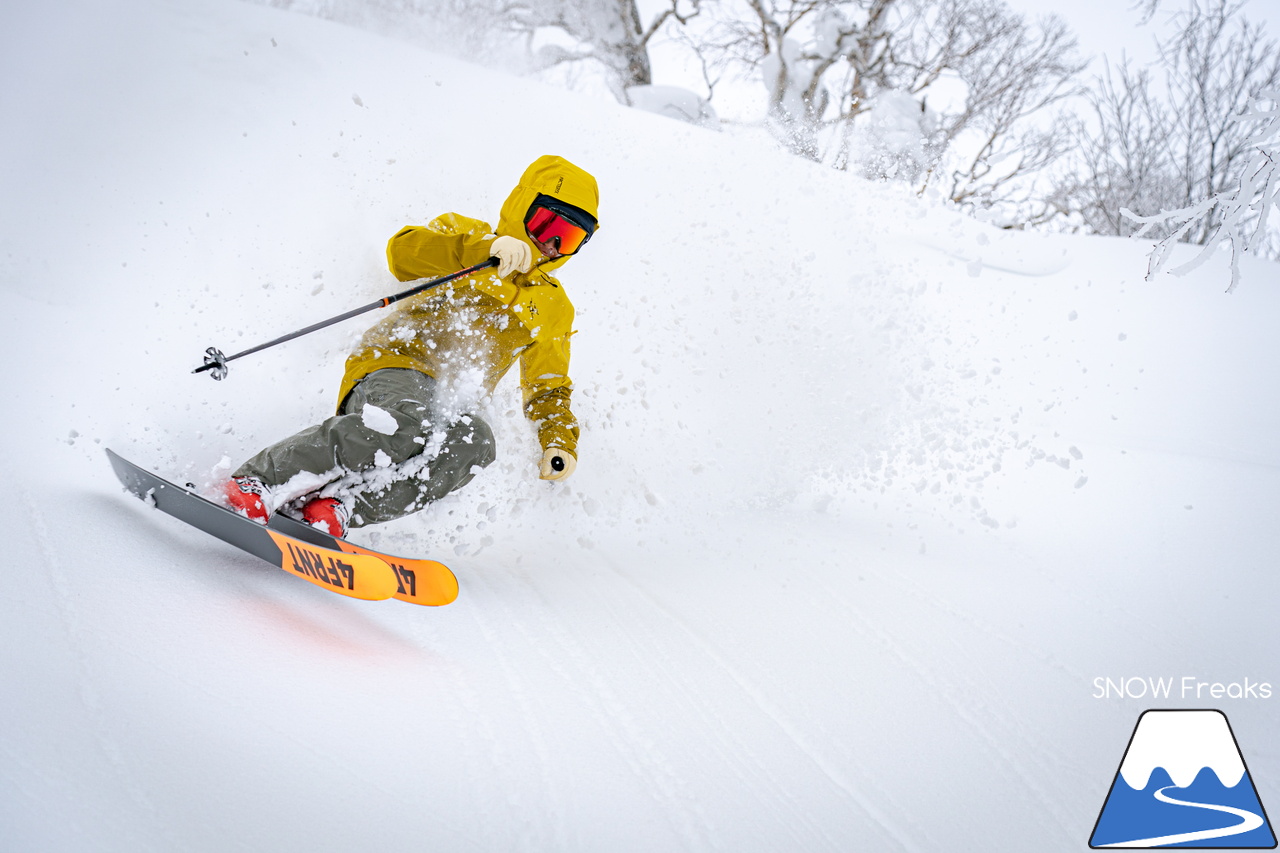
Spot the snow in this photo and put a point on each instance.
(868, 495)
(674, 102)
(379, 420)
(891, 139)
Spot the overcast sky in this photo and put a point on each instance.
(1111, 26)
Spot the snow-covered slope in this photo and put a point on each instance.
(869, 493)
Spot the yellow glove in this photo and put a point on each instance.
(557, 463)
(512, 254)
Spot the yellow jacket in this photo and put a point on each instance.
(473, 329)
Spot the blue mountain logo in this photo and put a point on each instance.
(1183, 783)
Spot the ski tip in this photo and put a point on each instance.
(434, 584)
(426, 582)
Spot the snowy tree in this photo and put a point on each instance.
(1216, 66)
(1013, 74)
(1120, 154)
(1237, 215)
(611, 33)
(1180, 138)
(855, 83)
(772, 38)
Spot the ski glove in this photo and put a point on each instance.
(512, 254)
(557, 463)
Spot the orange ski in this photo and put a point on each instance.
(346, 573)
(417, 581)
(316, 557)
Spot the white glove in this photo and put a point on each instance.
(512, 255)
(557, 463)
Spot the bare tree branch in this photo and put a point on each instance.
(1243, 210)
(1177, 144)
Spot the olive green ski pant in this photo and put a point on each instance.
(388, 452)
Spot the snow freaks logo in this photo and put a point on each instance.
(1183, 783)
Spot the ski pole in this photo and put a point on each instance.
(216, 363)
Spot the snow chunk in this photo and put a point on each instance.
(892, 140)
(379, 420)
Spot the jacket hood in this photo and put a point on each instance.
(556, 177)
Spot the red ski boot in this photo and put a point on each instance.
(245, 496)
(327, 514)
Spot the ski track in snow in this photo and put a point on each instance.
(1031, 742)
(975, 262)
(982, 718)
(77, 639)
(467, 714)
(644, 761)
(496, 640)
(751, 771)
(236, 706)
(812, 752)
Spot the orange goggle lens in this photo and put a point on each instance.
(551, 229)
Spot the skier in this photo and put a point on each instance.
(407, 432)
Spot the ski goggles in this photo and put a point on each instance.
(558, 227)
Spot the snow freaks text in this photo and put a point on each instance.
(1185, 687)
